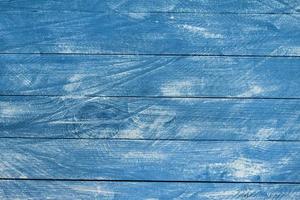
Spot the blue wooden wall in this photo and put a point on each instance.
(170, 99)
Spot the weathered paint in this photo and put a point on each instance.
(150, 118)
(69, 190)
(180, 76)
(149, 33)
(195, 99)
(150, 160)
(198, 6)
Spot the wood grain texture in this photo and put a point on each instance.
(137, 190)
(150, 118)
(150, 76)
(150, 160)
(198, 6)
(170, 99)
(149, 33)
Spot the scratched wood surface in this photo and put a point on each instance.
(127, 190)
(170, 99)
(198, 6)
(81, 159)
(149, 33)
(150, 118)
(150, 76)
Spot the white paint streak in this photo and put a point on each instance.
(75, 82)
(138, 15)
(24, 79)
(189, 130)
(253, 90)
(76, 77)
(73, 122)
(130, 133)
(154, 120)
(223, 194)
(66, 48)
(285, 160)
(265, 133)
(145, 155)
(182, 87)
(9, 110)
(97, 190)
(201, 31)
(245, 168)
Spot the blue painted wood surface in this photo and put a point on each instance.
(150, 118)
(198, 6)
(183, 76)
(150, 160)
(149, 33)
(170, 99)
(69, 190)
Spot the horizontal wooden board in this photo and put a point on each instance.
(150, 76)
(150, 118)
(199, 6)
(139, 190)
(150, 160)
(149, 33)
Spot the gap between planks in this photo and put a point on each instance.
(147, 181)
(160, 12)
(147, 139)
(152, 54)
(150, 97)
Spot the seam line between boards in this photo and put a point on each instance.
(153, 54)
(150, 97)
(28, 9)
(149, 181)
(149, 139)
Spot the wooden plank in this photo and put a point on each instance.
(149, 33)
(199, 6)
(150, 76)
(150, 160)
(139, 190)
(150, 118)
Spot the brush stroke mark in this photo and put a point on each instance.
(150, 118)
(69, 190)
(178, 76)
(148, 160)
(197, 6)
(153, 33)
